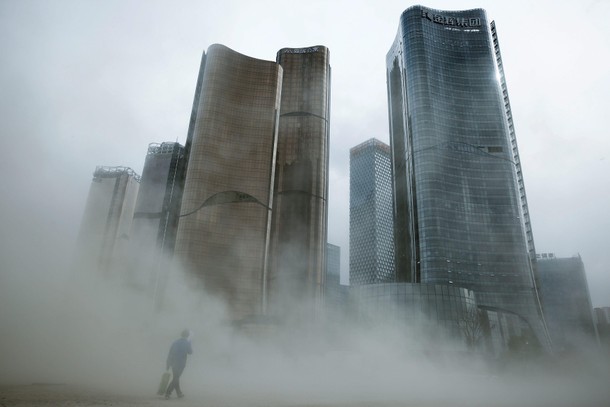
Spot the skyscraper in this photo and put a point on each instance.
(333, 265)
(371, 234)
(460, 207)
(566, 302)
(602, 322)
(298, 236)
(157, 209)
(253, 219)
(107, 219)
(223, 233)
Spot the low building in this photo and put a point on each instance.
(566, 302)
(442, 317)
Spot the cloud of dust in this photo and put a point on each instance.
(72, 326)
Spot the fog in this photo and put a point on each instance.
(73, 326)
(88, 83)
(92, 83)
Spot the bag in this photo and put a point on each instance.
(164, 383)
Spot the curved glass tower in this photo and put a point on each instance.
(253, 223)
(460, 208)
(223, 233)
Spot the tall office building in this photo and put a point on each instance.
(566, 302)
(224, 230)
(105, 227)
(155, 220)
(371, 227)
(333, 265)
(460, 207)
(602, 322)
(336, 295)
(299, 220)
(254, 121)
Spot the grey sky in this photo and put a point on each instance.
(86, 83)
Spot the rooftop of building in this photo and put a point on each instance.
(373, 142)
(102, 171)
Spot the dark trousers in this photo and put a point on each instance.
(175, 383)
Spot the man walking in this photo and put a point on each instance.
(176, 359)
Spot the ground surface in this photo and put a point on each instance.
(47, 394)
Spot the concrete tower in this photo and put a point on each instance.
(299, 227)
(224, 229)
(106, 223)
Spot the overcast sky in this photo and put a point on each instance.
(86, 83)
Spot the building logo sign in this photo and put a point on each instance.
(451, 21)
(300, 50)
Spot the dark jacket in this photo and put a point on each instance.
(178, 353)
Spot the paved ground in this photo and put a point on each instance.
(47, 395)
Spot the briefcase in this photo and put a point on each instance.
(164, 383)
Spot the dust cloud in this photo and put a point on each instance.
(61, 325)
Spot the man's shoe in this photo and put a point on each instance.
(167, 397)
(180, 395)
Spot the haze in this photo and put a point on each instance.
(93, 83)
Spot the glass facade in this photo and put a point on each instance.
(458, 207)
(333, 265)
(428, 305)
(440, 312)
(602, 322)
(371, 234)
(253, 222)
(223, 233)
(299, 219)
(566, 302)
(335, 297)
